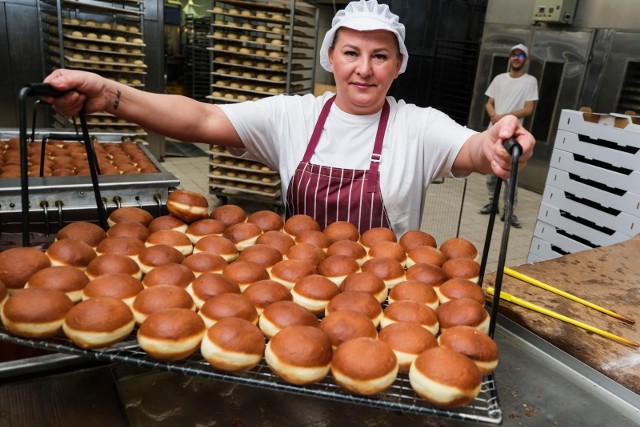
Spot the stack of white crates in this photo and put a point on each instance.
(592, 193)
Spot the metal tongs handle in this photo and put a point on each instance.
(45, 89)
(512, 146)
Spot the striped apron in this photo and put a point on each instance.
(331, 194)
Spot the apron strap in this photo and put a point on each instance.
(372, 176)
(317, 131)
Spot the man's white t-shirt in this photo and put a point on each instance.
(510, 94)
(420, 145)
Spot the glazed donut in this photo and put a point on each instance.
(364, 375)
(187, 205)
(171, 334)
(445, 377)
(233, 344)
(98, 322)
(299, 354)
(35, 312)
(208, 285)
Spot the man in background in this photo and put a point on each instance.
(514, 92)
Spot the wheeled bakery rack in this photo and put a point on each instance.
(105, 37)
(197, 57)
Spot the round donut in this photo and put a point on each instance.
(86, 232)
(407, 340)
(460, 288)
(173, 238)
(125, 245)
(130, 214)
(171, 334)
(153, 256)
(265, 292)
(342, 326)
(299, 223)
(160, 297)
(229, 214)
(363, 281)
(70, 252)
(18, 264)
(377, 234)
(457, 247)
(290, 271)
(264, 255)
(388, 269)
(98, 322)
(364, 375)
(415, 238)
(35, 312)
(315, 237)
(245, 273)
(243, 234)
(341, 230)
(204, 262)
(445, 378)
(167, 222)
(314, 292)
(113, 263)
(307, 252)
(233, 344)
(217, 245)
(360, 302)
(463, 268)
(266, 220)
(299, 355)
(412, 312)
(415, 290)
(129, 229)
(338, 267)
(227, 305)
(463, 311)
(427, 273)
(187, 205)
(169, 274)
(282, 314)
(69, 280)
(204, 227)
(116, 285)
(425, 255)
(277, 239)
(208, 285)
(349, 248)
(388, 249)
(479, 347)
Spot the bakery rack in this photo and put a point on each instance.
(105, 37)
(400, 396)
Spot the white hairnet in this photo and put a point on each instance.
(521, 47)
(364, 15)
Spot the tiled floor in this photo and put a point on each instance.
(448, 206)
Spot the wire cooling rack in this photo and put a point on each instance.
(400, 396)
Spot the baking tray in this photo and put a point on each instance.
(400, 396)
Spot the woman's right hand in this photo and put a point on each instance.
(83, 88)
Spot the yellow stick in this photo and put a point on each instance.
(572, 297)
(518, 301)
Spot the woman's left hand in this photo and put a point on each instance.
(493, 149)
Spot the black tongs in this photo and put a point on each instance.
(512, 146)
(44, 89)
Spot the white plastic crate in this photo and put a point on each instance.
(604, 150)
(570, 162)
(623, 129)
(542, 250)
(574, 183)
(575, 226)
(588, 210)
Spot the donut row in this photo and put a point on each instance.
(248, 287)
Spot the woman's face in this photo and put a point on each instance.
(364, 65)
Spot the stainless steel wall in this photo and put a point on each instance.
(581, 64)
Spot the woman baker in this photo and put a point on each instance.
(356, 155)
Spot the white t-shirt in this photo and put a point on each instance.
(510, 94)
(420, 145)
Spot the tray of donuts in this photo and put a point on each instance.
(244, 297)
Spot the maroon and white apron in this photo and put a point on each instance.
(333, 194)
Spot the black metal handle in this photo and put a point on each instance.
(512, 146)
(44, 89)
